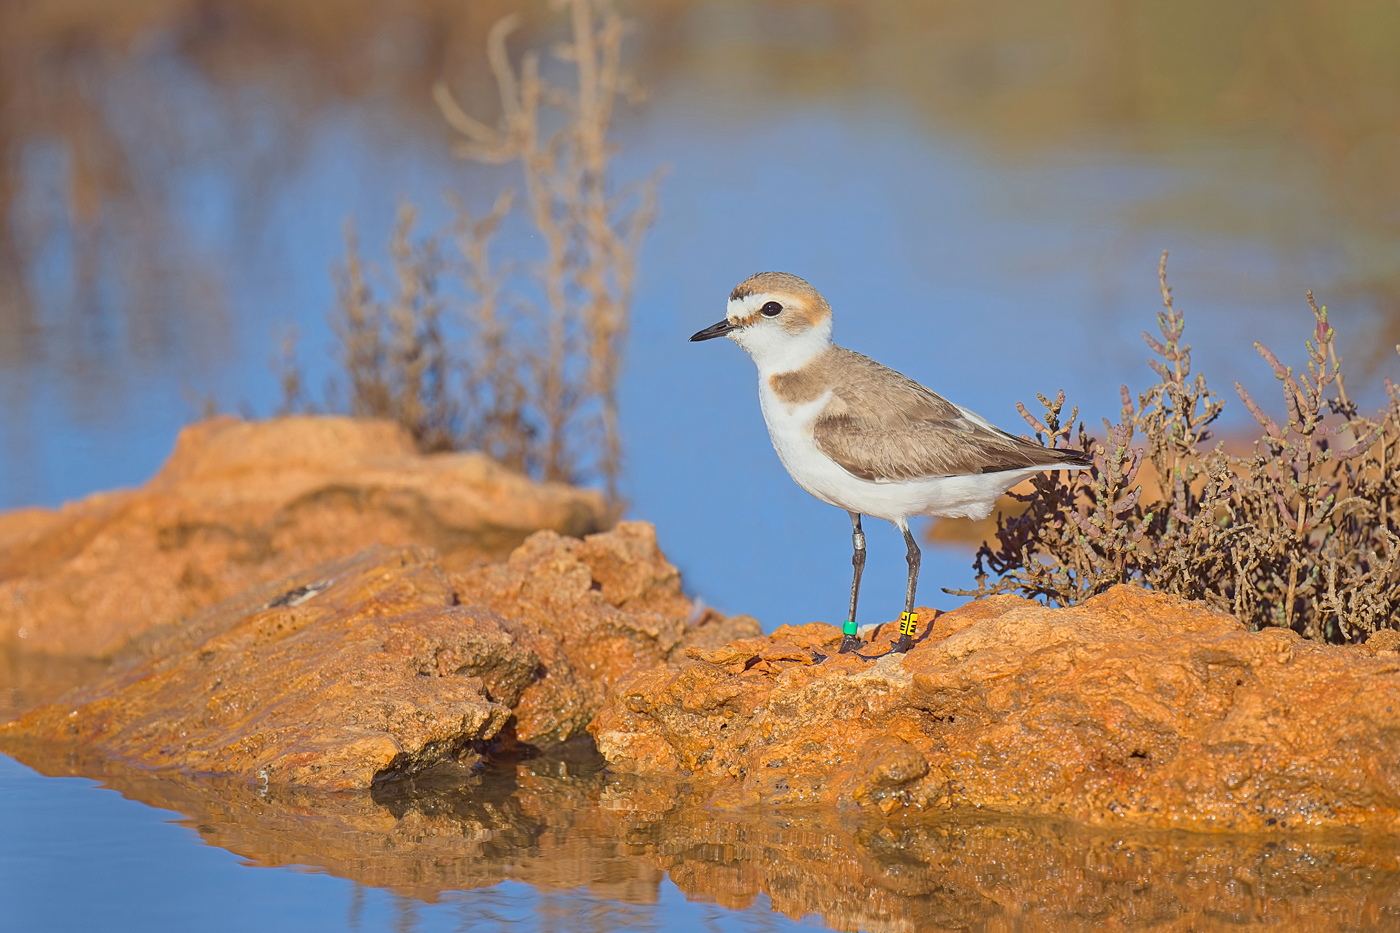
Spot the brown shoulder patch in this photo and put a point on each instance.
(808, 383)
(799, 386)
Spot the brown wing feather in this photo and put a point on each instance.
(883, 426)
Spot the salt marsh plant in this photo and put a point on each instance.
(1301, 533)
(516, 356)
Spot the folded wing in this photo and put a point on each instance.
(885, 427)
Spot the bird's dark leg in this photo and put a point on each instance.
(851, 641)
(909, 619)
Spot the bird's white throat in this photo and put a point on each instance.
(775, 350)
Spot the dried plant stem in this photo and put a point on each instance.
(542, 337)
(590, 233)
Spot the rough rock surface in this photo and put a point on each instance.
(239, 504)
(1132, 707)
(593, 610)
(382, 664)
(367, 668)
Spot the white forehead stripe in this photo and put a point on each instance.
(740, 308)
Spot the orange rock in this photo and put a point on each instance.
(594, 610)
(382, 664)
(1135, 707)
(240, 504)
(361, 668)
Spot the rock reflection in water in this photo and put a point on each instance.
(560, 822)
(985, 872)
(29, 678)
(536, 821)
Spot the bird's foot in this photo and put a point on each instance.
(908, 622)
(850, 642)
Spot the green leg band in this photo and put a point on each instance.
(849, 628)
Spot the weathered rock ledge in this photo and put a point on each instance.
(1134, 707)
(384, 664)
(242, 504)
(232, 658)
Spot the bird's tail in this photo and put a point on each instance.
(1069, 459)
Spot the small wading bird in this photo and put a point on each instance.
(864, 438)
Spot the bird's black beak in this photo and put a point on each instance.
(713, 331)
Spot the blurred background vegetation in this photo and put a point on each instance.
(1322, 80)
(176, 175)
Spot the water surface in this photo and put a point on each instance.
(982, 190)
(555, 843)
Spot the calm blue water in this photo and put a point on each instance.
(986, 277)
(75, 856)
(985, 266)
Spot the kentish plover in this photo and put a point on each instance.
(864, 438)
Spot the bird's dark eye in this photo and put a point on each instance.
(772, 309)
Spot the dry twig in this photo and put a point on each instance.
(533, 382)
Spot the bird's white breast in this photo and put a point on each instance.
(790, 428)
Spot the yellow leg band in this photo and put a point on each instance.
(907, 622)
